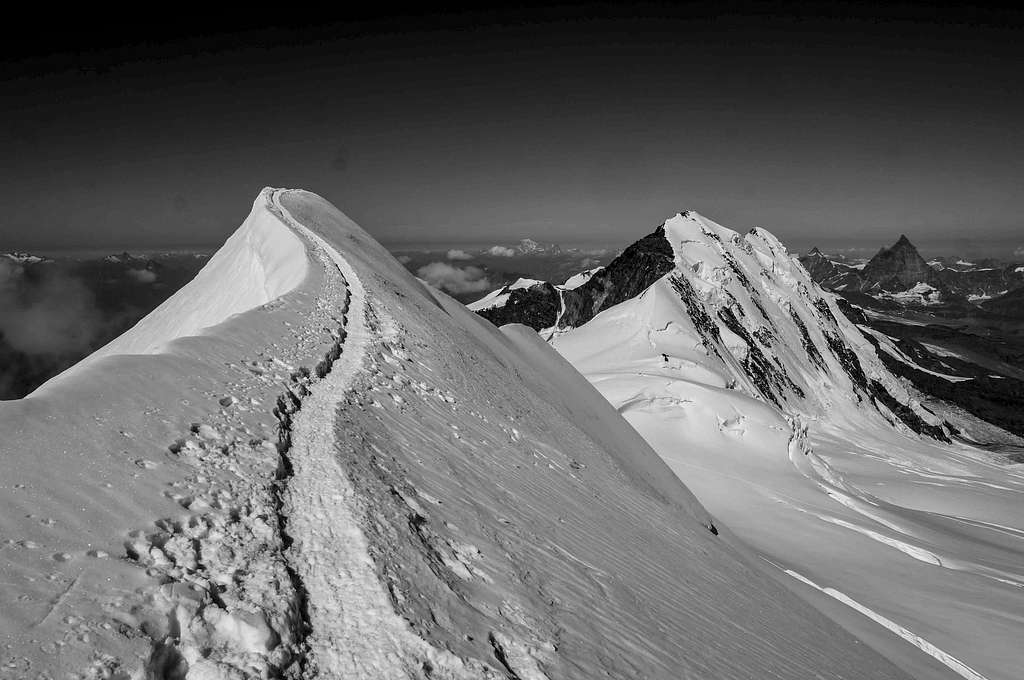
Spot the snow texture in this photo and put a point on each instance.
(775, 410)
(359, 478)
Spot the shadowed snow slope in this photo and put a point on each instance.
(359, 478)
(774, 408)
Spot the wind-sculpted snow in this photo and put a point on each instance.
(775, 409)
(260, 262)
(359, 478)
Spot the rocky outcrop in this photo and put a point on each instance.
(830, 274)
(818, 265)
(1010, 304)
(628, 275)
(898, 268)
(537, 307)
(543, 305)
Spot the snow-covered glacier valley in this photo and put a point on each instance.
(773, 407)
(306, 464)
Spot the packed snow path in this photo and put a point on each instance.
(358, 478)
(353, 629)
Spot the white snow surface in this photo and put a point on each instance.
(577, 280)
(260, 262)
(919, 294)
(498, 298)
(359, 478)
(903, 539)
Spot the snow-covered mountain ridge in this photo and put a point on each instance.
(359, 478)
(776, 409)
(899, 274)
(751, 310)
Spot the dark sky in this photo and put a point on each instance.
(586, 122)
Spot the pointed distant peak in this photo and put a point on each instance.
(904, 241)
(815, 252)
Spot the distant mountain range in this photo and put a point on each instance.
(900, 275)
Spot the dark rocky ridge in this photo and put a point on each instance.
(628, 275)
(536, 307)
(818, 265)
(892, 269)
(899, 268)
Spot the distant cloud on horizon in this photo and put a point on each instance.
(455, 280)
(141, 275)
(457, 254)
(501, 251)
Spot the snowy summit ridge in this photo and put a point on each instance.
(748, 308)
(343, 474)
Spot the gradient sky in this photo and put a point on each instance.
(585, 123)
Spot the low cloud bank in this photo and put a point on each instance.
(50, 320)
(455, 280)
(141, 275)
(48, 313)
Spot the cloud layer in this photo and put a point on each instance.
(455, 280)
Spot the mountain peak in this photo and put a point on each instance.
(900, 267)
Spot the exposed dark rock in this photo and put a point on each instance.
(906, 414)
(812, 350)
(848, 360)
(818, 265)
(899, 268)
(1010, 305)
(994, 400)
(536, 307)
(770, 378)
(702, 321)
(852, 312)
(628, 275)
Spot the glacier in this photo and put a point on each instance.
(758, 391)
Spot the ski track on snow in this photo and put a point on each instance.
(948, 660)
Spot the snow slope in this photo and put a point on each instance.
(260, 262)
(499, 297)
(774, 409)
(357, 477)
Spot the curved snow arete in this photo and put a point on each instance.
(359, 478)
(260, 262)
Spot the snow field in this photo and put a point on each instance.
(360, 478)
